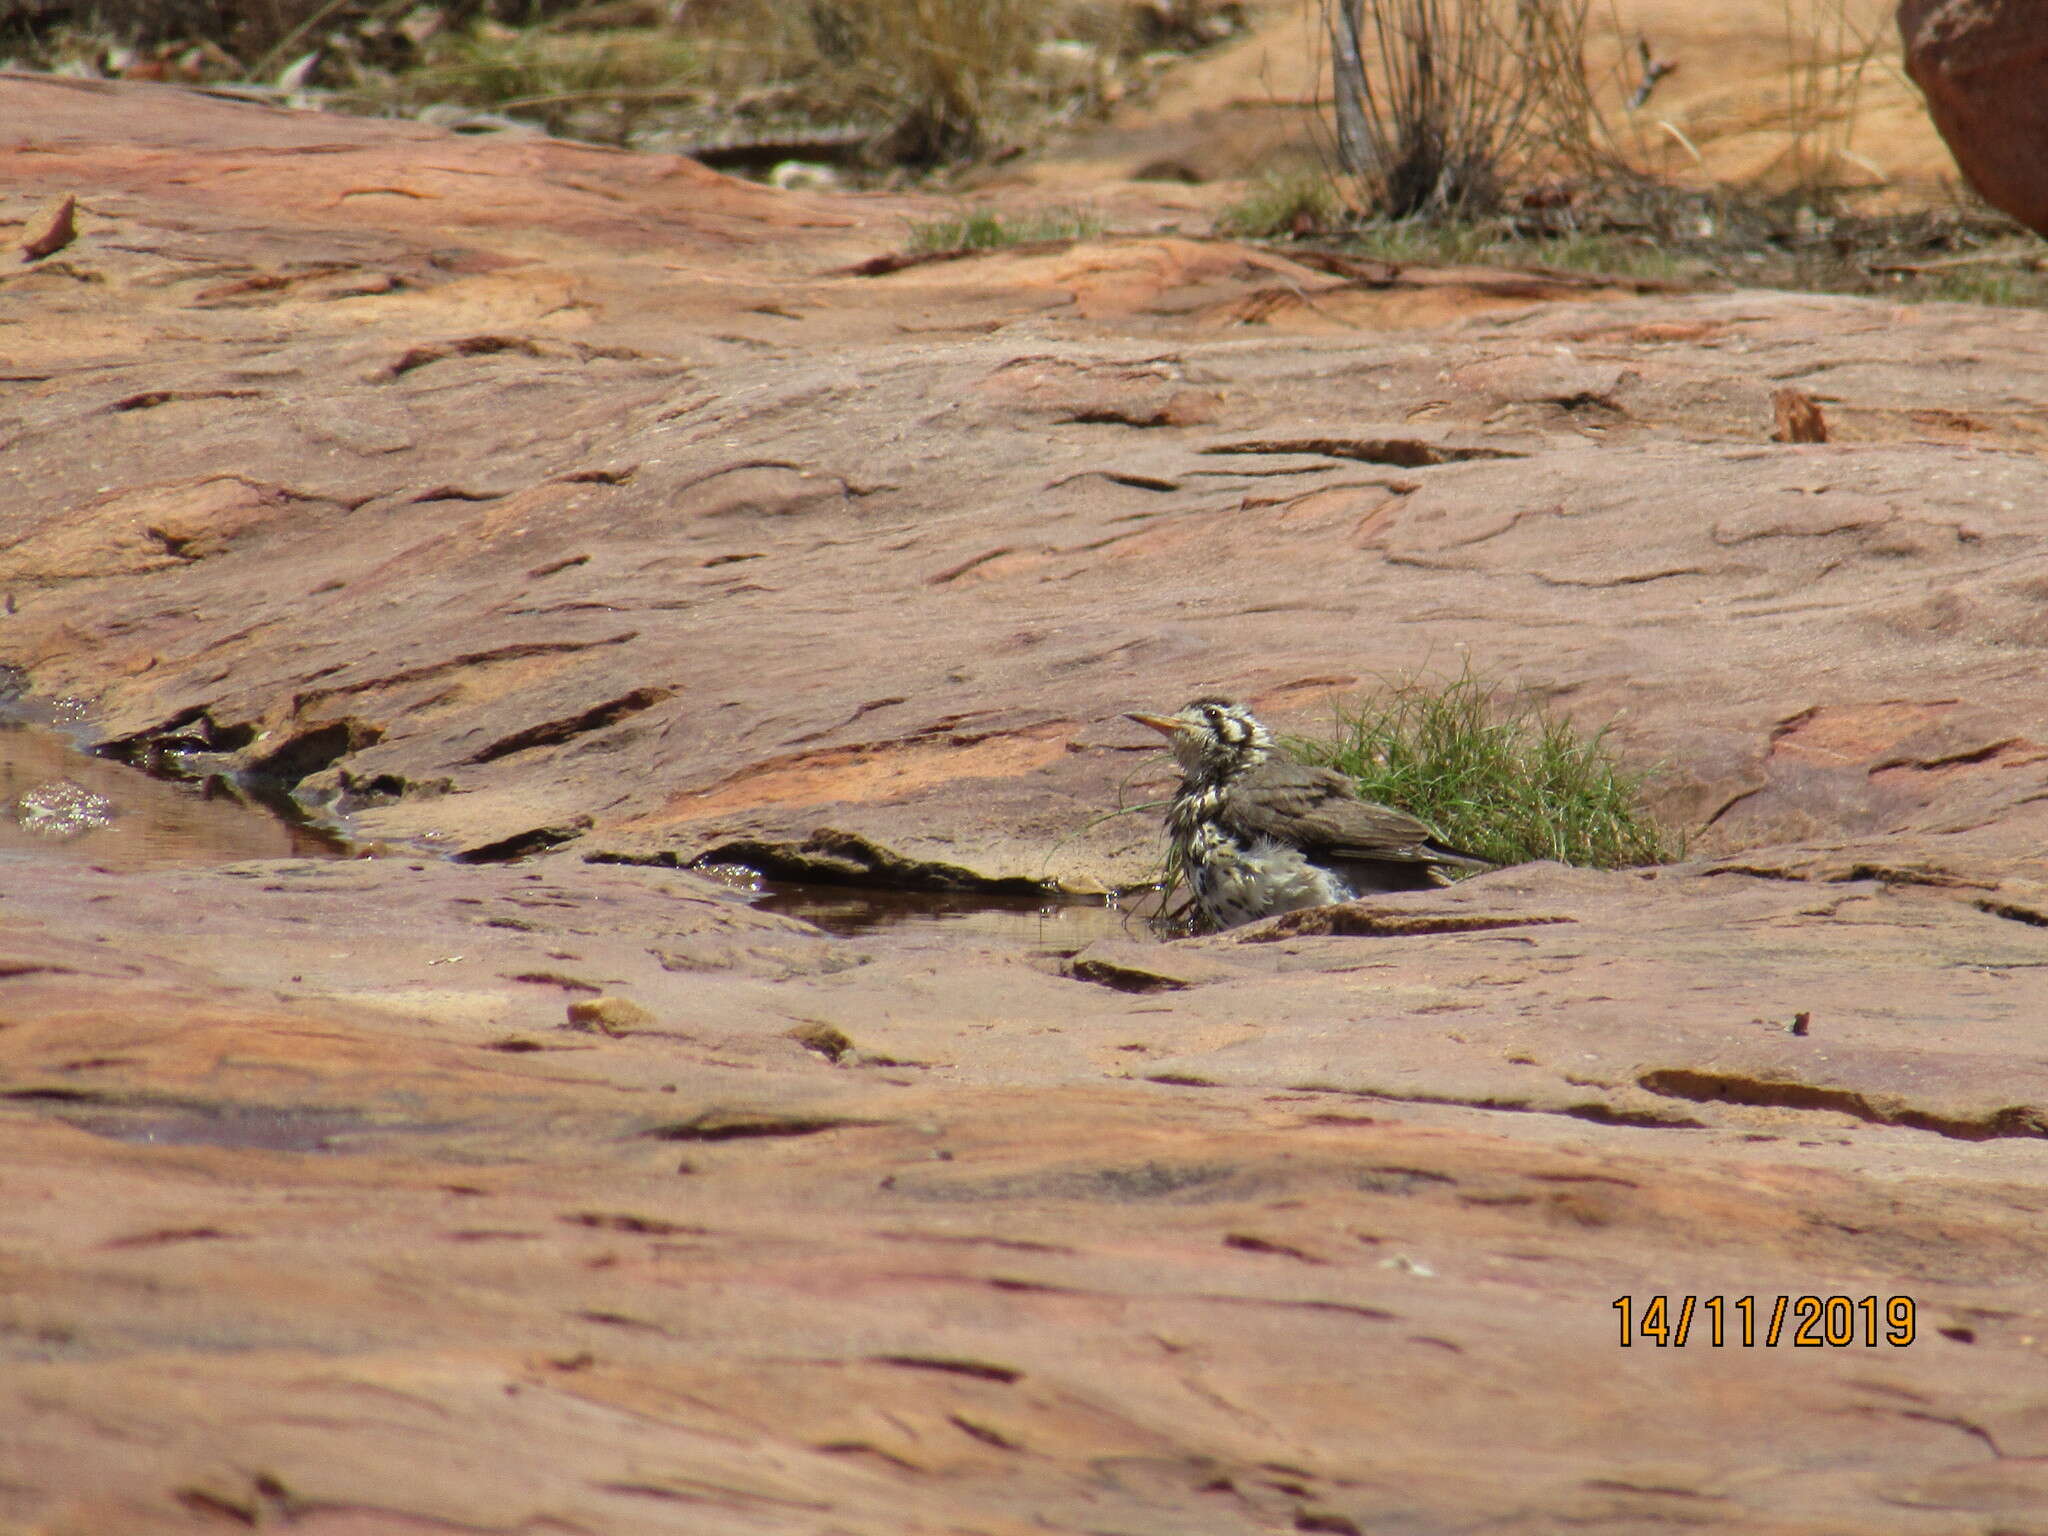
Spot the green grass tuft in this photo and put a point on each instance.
(1299, 203)
(1968, 285)
(1506, 781)
(1419, 242)
(982, 230)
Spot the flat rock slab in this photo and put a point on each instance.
(322, 1208)
(582, 515)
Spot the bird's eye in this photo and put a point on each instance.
(1215, 715)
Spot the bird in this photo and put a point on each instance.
(1256, 833)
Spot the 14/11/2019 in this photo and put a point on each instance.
(1804, 1322)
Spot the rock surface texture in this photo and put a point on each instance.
(1983, 66)
(579, 515)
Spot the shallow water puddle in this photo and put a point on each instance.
(1034, 921)
(285, 1129)
(58, 801)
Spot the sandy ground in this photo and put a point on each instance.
(1765, 93)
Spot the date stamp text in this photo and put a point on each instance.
(1747, 1322)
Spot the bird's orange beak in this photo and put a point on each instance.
(1165, 725)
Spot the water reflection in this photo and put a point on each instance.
(270, 1129)
(1049, 921)
(57, 801)
(61, 808)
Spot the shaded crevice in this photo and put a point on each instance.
(172, 544)
(981, 1370)
(1585, 400)
(983, 1433)
(359, 792)
(189, 730)
(1704, 1087)
(1733, 801)
(9, 969)
(1893, 874)
(1121, 976)
(1595, 1110)
(973, 562)
(2012, 912)
(732, 1125)
(311, 750)
(522, 845)
(1983, 754)
(455, 493)
(1883, 874)
(162, 1236)
(1250, 1242)
(467, 346)
(1136, 482)
(152, 398)
(1635, 579)
(1355, 920)
(863, 1448)
(620, 1320)
(1170, 412)
(832, 857)
(620, 1221)
(1401, 452)
(552, 567)
(553, 732)
(1975, 1431)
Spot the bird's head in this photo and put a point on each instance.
(1210, 737)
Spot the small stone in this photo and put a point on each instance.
(56, 228)
(1797, 418)
(613, 1015)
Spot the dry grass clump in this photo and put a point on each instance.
(934, 70)
(1446, 110)
(867, 84)
(249, 32)
(933, 81)
(1828, 54)
(599, 84)
(1439, 103)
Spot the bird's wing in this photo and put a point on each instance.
(1318, 810)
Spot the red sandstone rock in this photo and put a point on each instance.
(1981, 64)
(620, 522)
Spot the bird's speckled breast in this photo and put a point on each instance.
(1235, 881)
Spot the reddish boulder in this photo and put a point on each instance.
(1981, 64)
